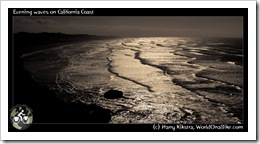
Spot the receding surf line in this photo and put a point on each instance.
(163, 68)
(229, 110)
(194, 91)
(212, 79)
(174, 52)
(118, 75)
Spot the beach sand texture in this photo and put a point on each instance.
(163, 79)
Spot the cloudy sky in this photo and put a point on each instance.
(133, 26)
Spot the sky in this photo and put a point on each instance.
(149, 26)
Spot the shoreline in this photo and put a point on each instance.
(106, 65)
(37, 94)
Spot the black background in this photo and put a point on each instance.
(131, 12)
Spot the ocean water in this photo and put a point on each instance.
(163, 79)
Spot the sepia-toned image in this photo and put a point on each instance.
(129, 69)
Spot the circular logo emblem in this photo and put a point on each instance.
(21, 117)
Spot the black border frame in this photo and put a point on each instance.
(132, 12)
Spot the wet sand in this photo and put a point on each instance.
(163, 80)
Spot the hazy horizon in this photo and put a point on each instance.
(134, 26)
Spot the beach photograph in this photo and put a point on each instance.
(129, 69)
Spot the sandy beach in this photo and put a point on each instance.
(163, 79)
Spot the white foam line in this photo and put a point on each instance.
(233, 63)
